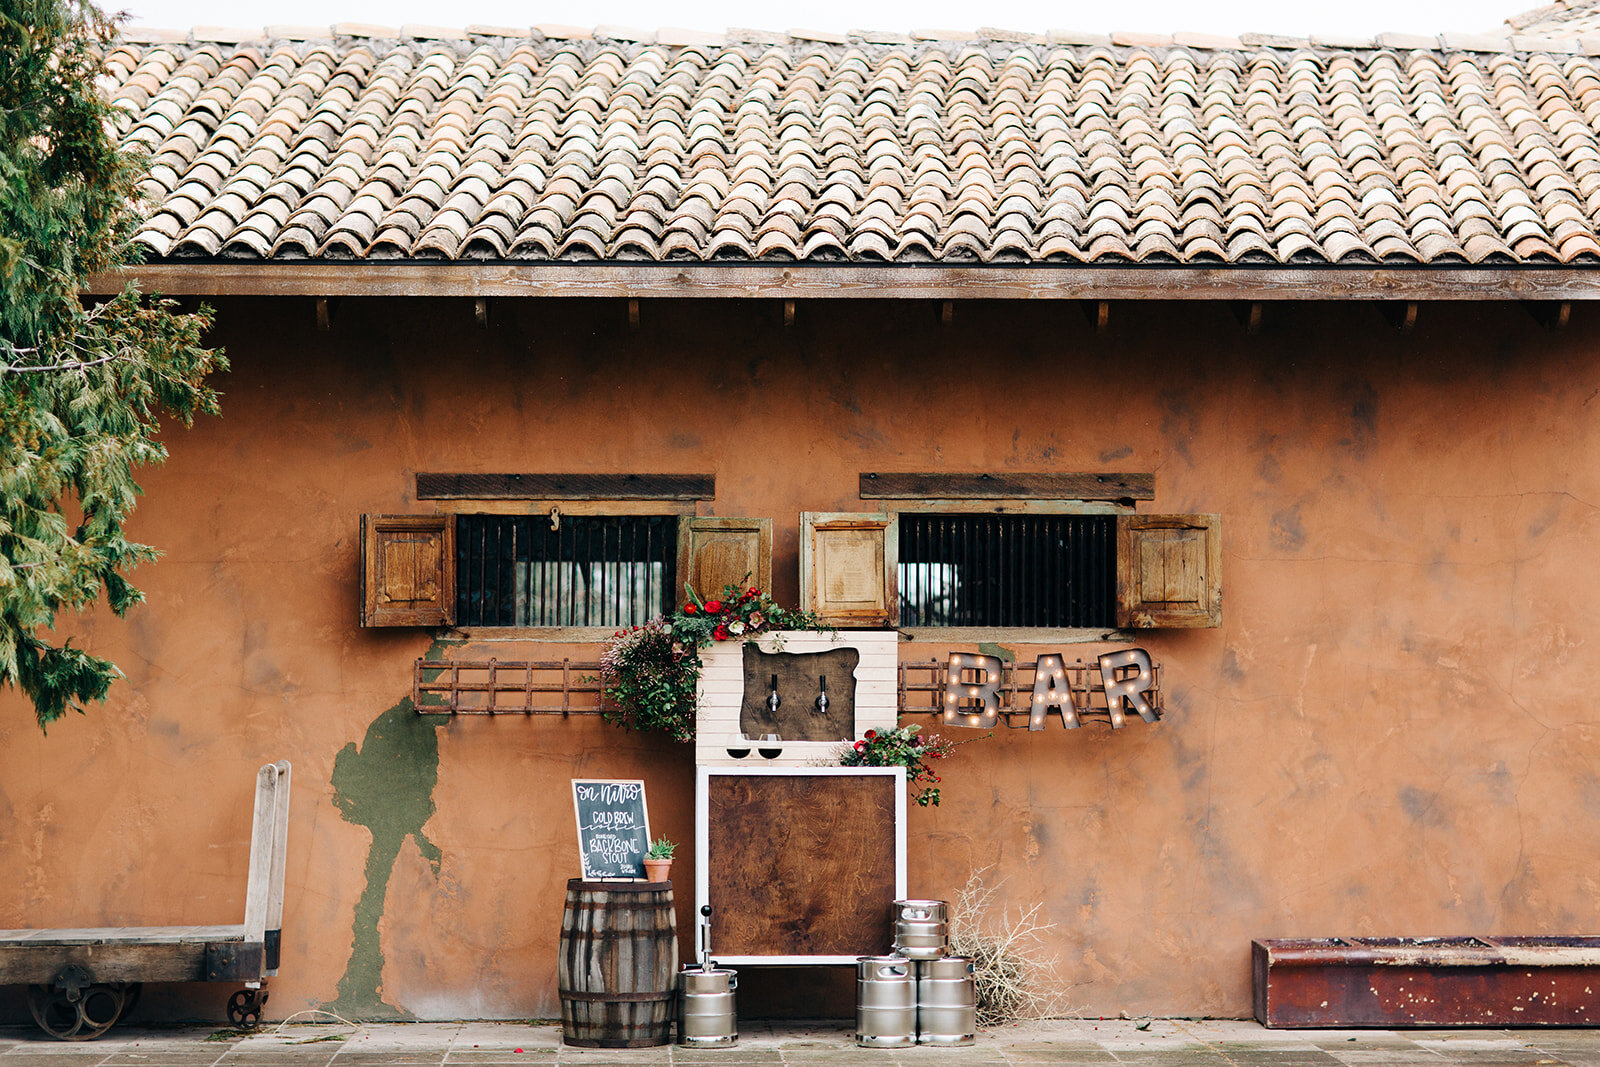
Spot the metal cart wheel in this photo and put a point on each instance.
(245, 1007)
(75, 1007)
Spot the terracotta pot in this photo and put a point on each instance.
(657, 870)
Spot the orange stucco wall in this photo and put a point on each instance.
(1390, 733)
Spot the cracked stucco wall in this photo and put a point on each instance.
(1391, 733)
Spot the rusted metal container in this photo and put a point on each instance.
(947, 1002)
(886, 1002)
(921, 929)
(1394, 982)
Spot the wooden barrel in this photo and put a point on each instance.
(619, 964)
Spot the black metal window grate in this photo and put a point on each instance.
(1007, 570)
(604, 570)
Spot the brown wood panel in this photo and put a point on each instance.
(847, 568)
(801, 864)
(714, 553)
(1169, 571)
(28, 963)
(799, 677)
(435, 486)
(1082, 485)
(408, 570)
(808, 281)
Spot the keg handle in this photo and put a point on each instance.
(705, 938)
(891, 970)
(917, 913)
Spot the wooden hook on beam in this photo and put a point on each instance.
(788, 312)
(325, 309)
(480, 311)
(633, 313)
(1551, 314)
(947, 311)
(1098, 312)
(1251, 314)
(1402, 314)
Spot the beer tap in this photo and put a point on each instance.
(822, 702)
(773, 700)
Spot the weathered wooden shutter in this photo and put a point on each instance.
(408, 570)
(713, 553)
(847, 567)
(1169, 571)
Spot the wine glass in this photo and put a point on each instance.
(739, 746)
(770, 748)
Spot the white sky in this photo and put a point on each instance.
(1364, 17)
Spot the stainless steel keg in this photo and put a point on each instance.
(921, 928)
(886, 1002)
(947, 1002)
(706, 1015)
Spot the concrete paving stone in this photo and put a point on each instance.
(53, 1059)
(1174, 1058)
(1064, 1053)
(1389, 1056)
(733, 1054)
(346, 1055)
(1270, 1057)
(503, 1055)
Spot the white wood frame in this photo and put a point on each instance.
(719, 696)
(702, 846)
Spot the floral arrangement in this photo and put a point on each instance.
(901, 747)
(648, 673)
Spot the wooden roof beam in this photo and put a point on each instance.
(797, 281)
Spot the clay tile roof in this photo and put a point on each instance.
(553, 142)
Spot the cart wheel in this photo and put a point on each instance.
(73, 1012)
(244, 1008)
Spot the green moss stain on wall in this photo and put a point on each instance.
(387, 786)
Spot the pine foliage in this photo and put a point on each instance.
(82, 388)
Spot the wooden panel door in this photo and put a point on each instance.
(847, 567)
(714, 553)
(408, 570)
(1169, 571)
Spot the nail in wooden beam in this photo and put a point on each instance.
(1402, 315)
(947, 312)
(788, 312)
(1098, 312)
(1250, 314)
(324, 314)
(480, 311)
(1551, 314)
(633, 313)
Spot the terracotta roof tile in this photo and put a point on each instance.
(491, 143)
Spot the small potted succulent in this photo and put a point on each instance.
(658, 860)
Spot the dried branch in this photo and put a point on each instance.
(1015, 978)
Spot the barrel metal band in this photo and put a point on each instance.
(617, 998)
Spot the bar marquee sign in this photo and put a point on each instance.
(1117, 683)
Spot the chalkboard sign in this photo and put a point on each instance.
(613, 827)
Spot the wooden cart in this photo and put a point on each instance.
(82, 981)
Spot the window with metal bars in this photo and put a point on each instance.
(1007, 570)
(594, 570)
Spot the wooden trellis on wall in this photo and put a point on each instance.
(568, 687)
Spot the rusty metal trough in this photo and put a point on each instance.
(1394, 982)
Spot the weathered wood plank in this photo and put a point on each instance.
(1082, 485)
(795, 281)
(176, 961)
(106, 935)
(431, 486)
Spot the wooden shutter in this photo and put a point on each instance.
(713, 553)
(847, 567)
(1169, 571)
(408, 570)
